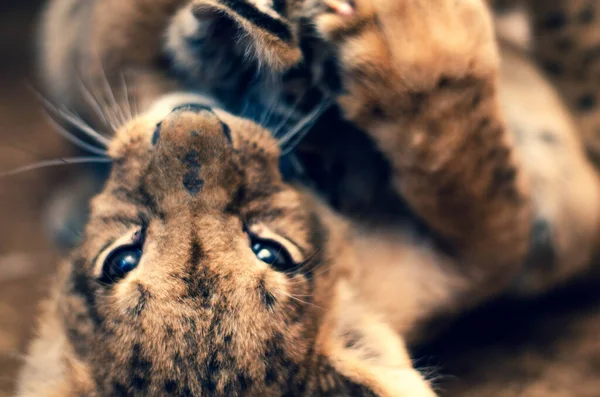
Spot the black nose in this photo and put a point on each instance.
(192, 107)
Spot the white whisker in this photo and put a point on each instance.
(96, 106)
(126, 93)
(73, 139)
(268, 111)
(116, 109)
(289, 114)
(296, 134)
(84, 127)
(55, 162)
(295, 298)
(76, 121)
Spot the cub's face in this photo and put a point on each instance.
(202, 272)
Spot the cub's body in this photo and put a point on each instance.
(455, 171)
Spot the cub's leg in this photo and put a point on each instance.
(420, 77)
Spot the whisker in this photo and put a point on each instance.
(294, 297)
(136, 109)
(244, 109)
(126, 93)
(289, 114)
(71, 118)
(301, 129)
(317, 271)
(93, 101)
(19, 147)
(73, 139)
(267, 112)
(308, 118)
(116, 109)
(84, 127)
(75, 121)
(55, 162)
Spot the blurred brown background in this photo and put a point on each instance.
(26, 255)
(545, 348)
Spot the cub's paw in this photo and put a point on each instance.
(214, 42)
(200, 47)
(399, 45)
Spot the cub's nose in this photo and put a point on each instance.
(193, 152)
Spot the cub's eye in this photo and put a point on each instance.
(272, 253)
(119, 262)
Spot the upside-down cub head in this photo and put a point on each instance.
(173, 290)
(203, 273)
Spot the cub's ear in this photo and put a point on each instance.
(261, 33)
(363, 356)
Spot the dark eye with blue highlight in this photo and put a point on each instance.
(272, 253)
(119, 262)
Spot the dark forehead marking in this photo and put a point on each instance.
(191, 179)
(192, 182)
(191, 159)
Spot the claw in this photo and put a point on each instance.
(342, 7)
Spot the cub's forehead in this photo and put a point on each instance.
(193, 152)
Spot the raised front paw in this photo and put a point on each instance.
(201, 47)
(386, 48)
(214, 42)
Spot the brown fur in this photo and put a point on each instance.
(423, 83)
